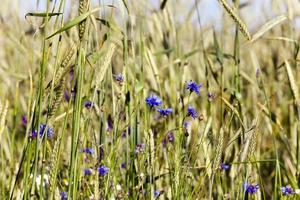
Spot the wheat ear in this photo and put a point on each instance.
(236, 19)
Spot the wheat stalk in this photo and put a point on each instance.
(58, 92)
(293, 86)
(83, 8)
(105, 64)
(236, 19)
(3, 117)
(219, 150)
(53, 163)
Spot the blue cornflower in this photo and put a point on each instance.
(250, 188)
(87, 171)
(170, 137)
(191, 112)
(88, 104)
(63, 195)
(156, 193)
(102, 170)
(211, 96)
(119, 77)
(165, 112)
(186, 124)
(50, 130)
(43, 127)
(67, 95)
(224, 167)
(123, 165)
(287, 190)
(139, 148)
(125, 133)
(88, 151)
(24, 120)
(153, 101)
(164, 142)
(33, 134)
(193, 87)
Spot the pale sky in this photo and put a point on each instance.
(210, 10)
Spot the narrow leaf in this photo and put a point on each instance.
(267, 26)
(74, 22)
(42, 14)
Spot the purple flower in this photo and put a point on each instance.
(63, 195)
(224, 167)
(102, 170)
(139, 148)
(88, 151)
(287, 190)
(50, 131)
(88, 104)
(165, 112)
(119, 77)
(156, 193)
(67, 95)
(250, 188)
(110, 123)
(191, 112)
(24, 120)
(33, 134)
(186, 124)
(193, 87)
(87, 172)
(170, 137)
(210, 96)
(43, 128)
(124, 133)
(164, 142)
(153, 101)
(123, 165)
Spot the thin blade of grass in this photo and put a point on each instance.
(267, 26)
(74, 22)
(42, 14)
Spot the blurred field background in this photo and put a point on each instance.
(75, 117)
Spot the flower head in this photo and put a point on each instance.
(287, 190)
(224, 167)
(139, 148)
(250, 188)
(88, 151)
(63, 195)
(153, 101)
(102, 170)
(156, 193)
(50, 130)
(43, 128)
(87, 171)
(193, 87)
(24, 120)
(211, 96)
(119, 77)
(126, 132)
(170, 137)
(88, 104)
(165, 112)
(191, 112)
(123, 165)
(110, 123)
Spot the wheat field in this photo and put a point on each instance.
(142, 99)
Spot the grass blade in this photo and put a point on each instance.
(267, 26)
(74, 22)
